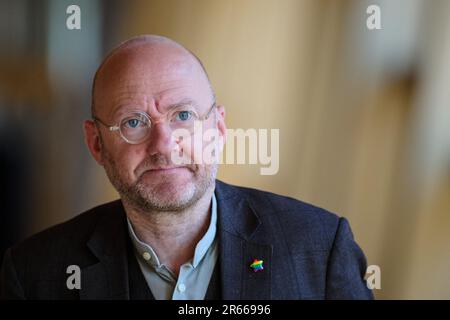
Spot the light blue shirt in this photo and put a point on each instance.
(194, 276)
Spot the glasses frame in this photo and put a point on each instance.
(116, 127)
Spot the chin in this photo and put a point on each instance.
(171, 190)
(170, 199)
(171, 183)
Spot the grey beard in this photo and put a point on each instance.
(146, 200)
(141, 198)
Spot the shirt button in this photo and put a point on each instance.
(146, 256)
(181, 287)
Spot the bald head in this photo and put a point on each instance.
(148, 59)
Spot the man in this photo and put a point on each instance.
(177, 232)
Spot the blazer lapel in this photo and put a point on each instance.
(238, 223)
(108, 278)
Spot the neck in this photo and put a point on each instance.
(173, 235)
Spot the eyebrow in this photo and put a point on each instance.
(122, 109)
(182, 103)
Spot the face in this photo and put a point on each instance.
(152, 81)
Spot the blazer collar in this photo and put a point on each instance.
(239, 225)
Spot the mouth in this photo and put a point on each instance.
(165, 169)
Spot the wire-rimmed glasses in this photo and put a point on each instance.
(135, 126)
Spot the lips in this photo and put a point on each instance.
(165, 168)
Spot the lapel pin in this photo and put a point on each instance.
(257, 265)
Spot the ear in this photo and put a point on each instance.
(221, 124)
(92, 139)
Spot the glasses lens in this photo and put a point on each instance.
(135, 127)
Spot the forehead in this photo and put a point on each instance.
(143, 76)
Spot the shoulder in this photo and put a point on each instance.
(60, 239)
(312, 246)
(36, 267)
(268, 203)
(295, 219)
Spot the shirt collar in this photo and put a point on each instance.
(149, 255)
(207, 241)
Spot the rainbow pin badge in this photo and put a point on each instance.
(257, 265)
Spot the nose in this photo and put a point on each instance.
(160, 140)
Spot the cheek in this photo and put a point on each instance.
(201, 148)
(128, 159)
(183, 148)
(192, 149)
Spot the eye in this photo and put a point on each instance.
(133, 123)
(183, 115)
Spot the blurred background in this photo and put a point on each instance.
(363, 114)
